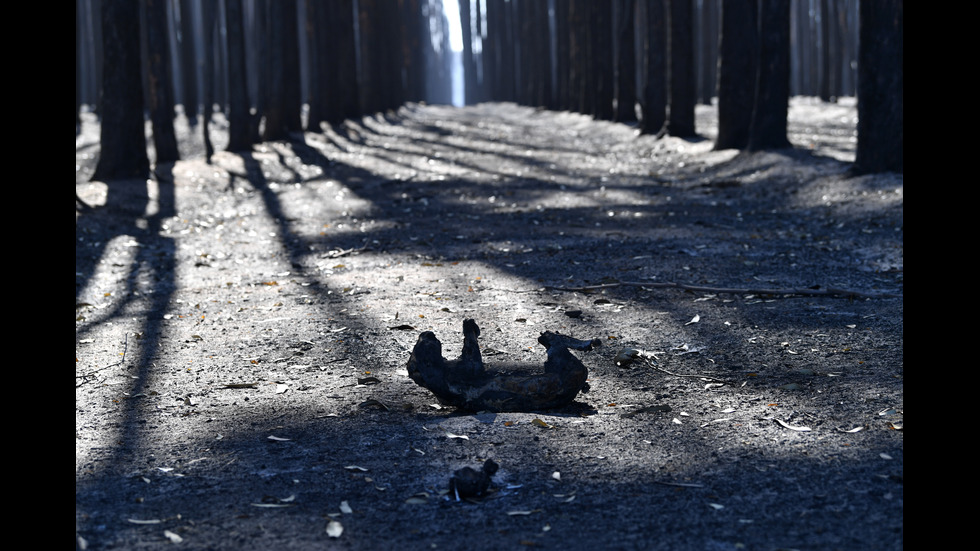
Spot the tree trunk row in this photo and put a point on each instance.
(628, 60)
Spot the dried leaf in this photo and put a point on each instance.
(356, 468)
(278, 438)
(855, 429)
(462, 436)
(695, 319)
(542, 424)
(174, 538)
(800, 428)
(345, 508)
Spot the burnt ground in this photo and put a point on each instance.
(242, 330)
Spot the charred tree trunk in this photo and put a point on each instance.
(317, 25)
(829, 53)
(681, 77)
(469, 67)
(78, 76)
(736, 73)
(625, 61)
(123, 137)
(412, 54)
(654, 103)
(159, 92)
(282, 112)
(258, 33)
(343, 89)
(880, 88)
(188, 62)
(601, 60)
(579, 81)
(207, 74)
(768, 127)
(708, 66)
(561, 97)
(371, 46)
(239, 136)
(534, 53)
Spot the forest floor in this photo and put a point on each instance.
(242, 330)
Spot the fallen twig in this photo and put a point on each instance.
(86, 377)
(337, 253)
(694, 376)
(679, 484)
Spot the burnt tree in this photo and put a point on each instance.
(341, 78)
(159, 91)
(239, 136)
(188, 62)
(414, 35)
(736, 73)
(880, 88)
(653, 105)
(208, 23)
(768, 127)
(601, 60)
(469, 67)
(282, 109)
(708, 47)
(123, 138)
(534, 55)
(625, 61)
(579, 77)
(681, 77)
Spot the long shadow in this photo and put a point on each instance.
(420, 214)
(150, 273)
(706, 226)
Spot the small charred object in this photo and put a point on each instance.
(469, 482)
(466, 383)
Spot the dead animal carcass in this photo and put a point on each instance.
(466, 383)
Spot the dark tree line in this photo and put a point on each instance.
(652, 60)
(259, 62)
